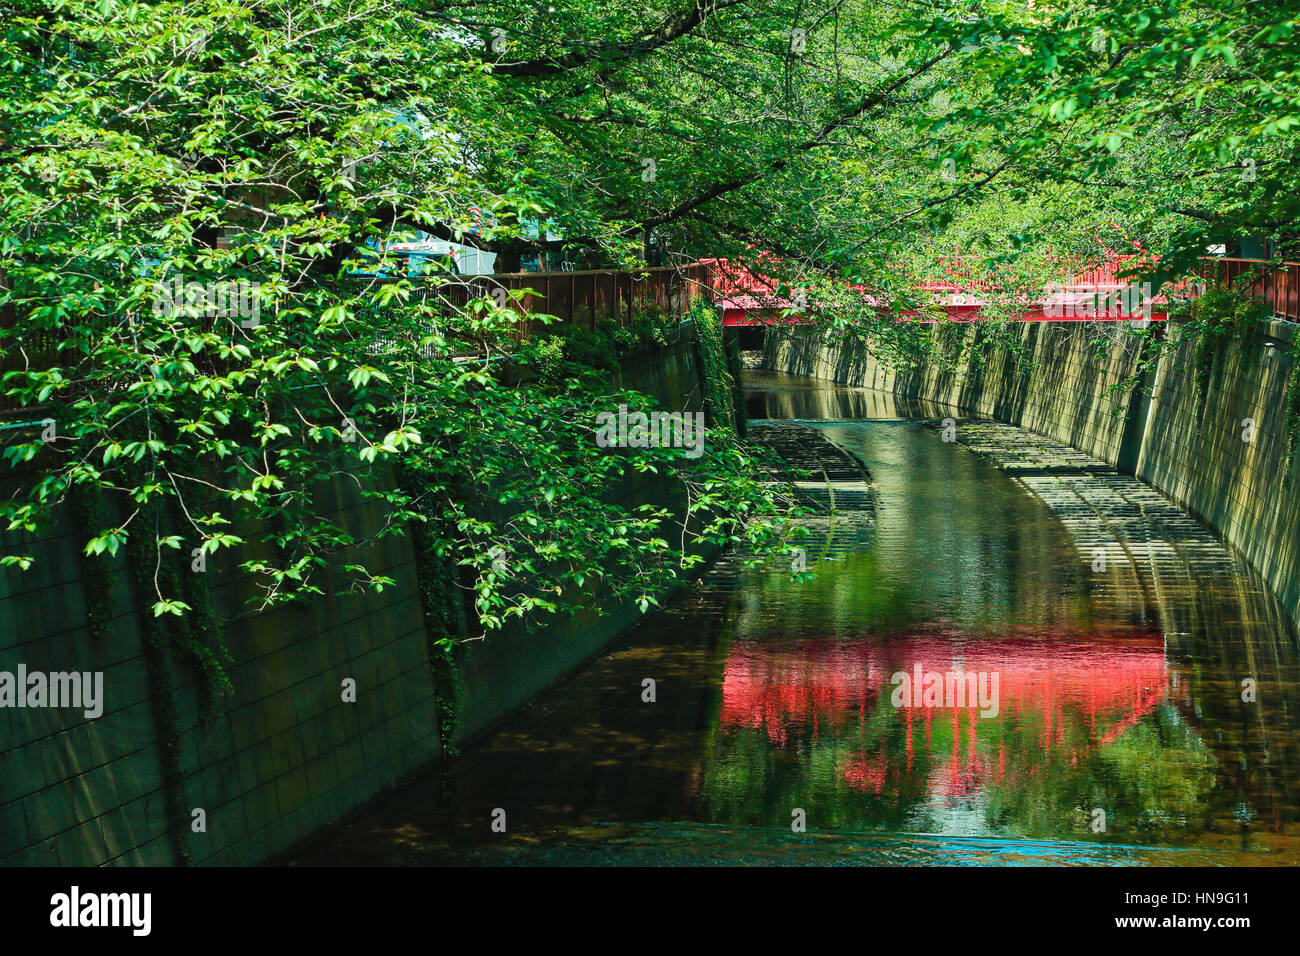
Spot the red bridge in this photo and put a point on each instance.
(1096, 294)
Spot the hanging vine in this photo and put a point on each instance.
(96, 575)
(719, 385)
(1291, 415)
(438, 600)
(143, 559)
(153, 569)
(1223, 323)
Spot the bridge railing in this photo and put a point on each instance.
(1278, 285)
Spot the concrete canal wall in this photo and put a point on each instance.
(287, 755)
(1192, 449)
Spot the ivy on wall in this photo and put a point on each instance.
(162, 691)
(1291, 412)
(1221, 324)
(436, 582)
(720, 384)
(736, 370)
(188, 637)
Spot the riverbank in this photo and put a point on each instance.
(1120, 735)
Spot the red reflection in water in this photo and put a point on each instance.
(1072, 692)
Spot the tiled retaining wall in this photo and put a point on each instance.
(288, 755)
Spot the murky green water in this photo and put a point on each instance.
(1117, 733)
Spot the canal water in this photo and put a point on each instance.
(1112, 730)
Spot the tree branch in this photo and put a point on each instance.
(672, 28)
(721, 188)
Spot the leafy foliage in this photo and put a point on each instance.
(269, 155)
(1223, 322)
(197, 204)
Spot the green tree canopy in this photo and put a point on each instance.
(269, 153)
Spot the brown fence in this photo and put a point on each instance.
(1278, 285)
(578, 298)
(582, 298)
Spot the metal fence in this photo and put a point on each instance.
(1278, 285)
